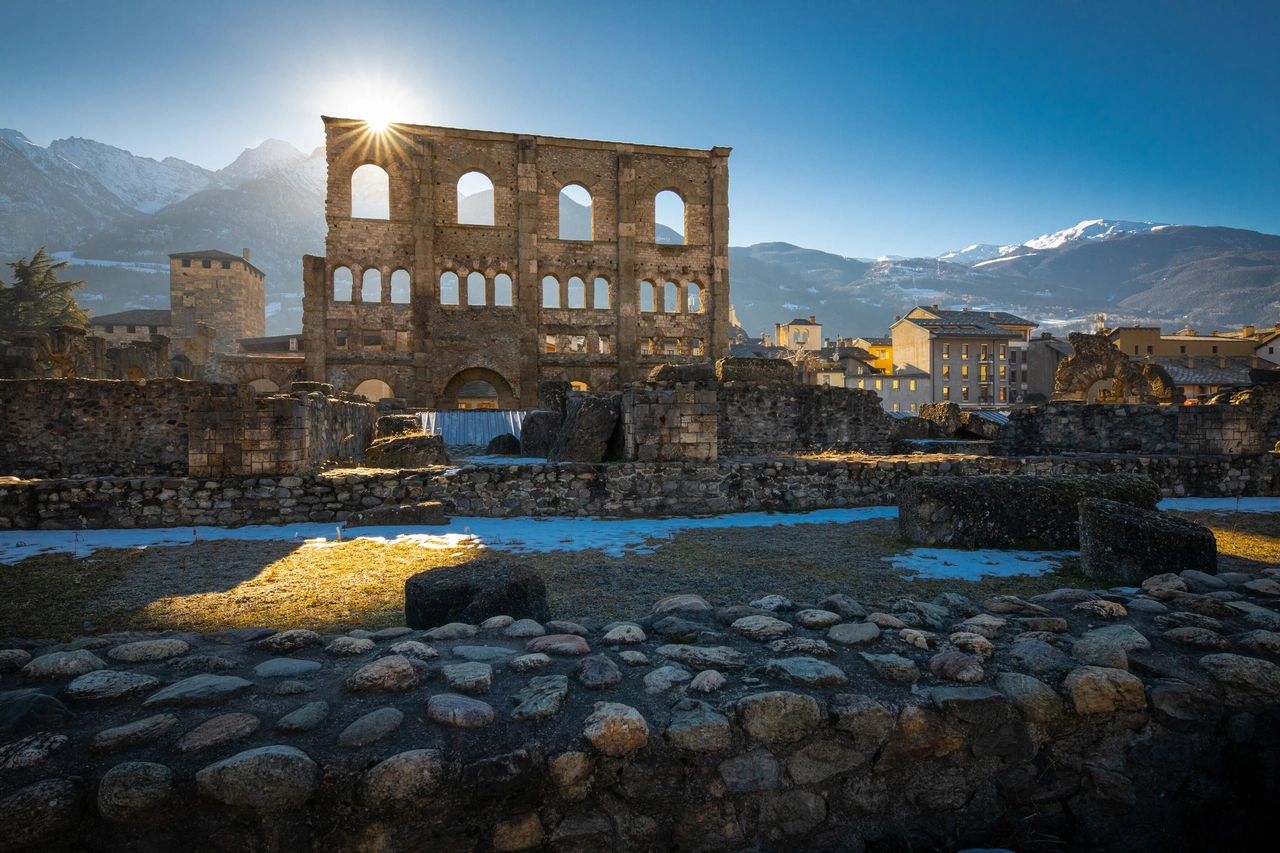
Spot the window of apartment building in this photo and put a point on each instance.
(1024, 376)
(1135, 349)
(1182, 349)
(895, 407)
(913, 387)
(826, 379)
(1004, 394)
(577, 343)
(946, 371)
(964, 350)
(1150, 349)
(1013, 356)
(983, 375)
(695, 347)
(946, 350)
(186, 262)
(550, 343)
(131, 329)
(964, 371)
(913, 407)
(372, 339)
(879, 384)
(895, 384)
(1004, 350)
(983, 352)
(340, 338)
(946, 392)
(1003, 371)
(1215, 350)
(862, 384)
(964, 394)
(606, 344)
(1271, 350)
(110, 329)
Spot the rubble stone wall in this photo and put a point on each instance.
(777, 419)
(667, 423)
(575, 489)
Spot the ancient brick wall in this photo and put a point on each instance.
(426, 349)
(776, 419)
(663, 423)
(226, 293)
(578, 489)
(67, 427)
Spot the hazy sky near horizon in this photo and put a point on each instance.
(860, 128)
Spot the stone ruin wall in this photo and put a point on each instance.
(429, 350)
(516, 488)
(669, 423)
(780, 420)
(171, 428)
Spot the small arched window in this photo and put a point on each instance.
(647, 297)
(668, 218)
(694, 302)
(370, 193)
(400, 291)
(502, 289)
(671, 298)
(575, 213)
(342, 285)
(449, 288)
(550, 292)
(373, 390)
(579, 386)
(601, 294)
(475, 288)
(577, 295)
(371, 286)
(475, 199)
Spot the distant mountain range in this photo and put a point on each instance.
(117, 216)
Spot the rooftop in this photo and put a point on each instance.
(213, 255)
(1204, 370)
(135, 317)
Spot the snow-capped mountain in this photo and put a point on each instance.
(140, 182)
(272, 155)
(1090, 230)
(976, 252)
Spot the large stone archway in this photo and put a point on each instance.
(448, 396)
(1097, 372)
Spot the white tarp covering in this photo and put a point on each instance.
(472, 426)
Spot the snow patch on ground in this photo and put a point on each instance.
(1220, 504)
(951, 564)
(614, 537)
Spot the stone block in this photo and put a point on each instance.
(474, 591)
(538, 433)
(407, 451)
(406, 515)
(1121, 544)
(585, 434)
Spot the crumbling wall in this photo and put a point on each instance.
(781, 419)
(662, 423)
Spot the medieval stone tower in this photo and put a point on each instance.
(219, 289)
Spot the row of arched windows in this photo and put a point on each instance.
(668, 299)
(371, 199)
(371, 290)
(476, 290)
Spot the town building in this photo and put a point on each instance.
(881, 350)
(965, 354)
(220, 290)
(799, 334)
(137, 324)
(903, 391)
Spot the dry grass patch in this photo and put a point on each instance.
(1244, 538)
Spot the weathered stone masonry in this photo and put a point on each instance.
(577, 489)
(426, 351)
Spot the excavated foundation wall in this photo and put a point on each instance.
(573, 489)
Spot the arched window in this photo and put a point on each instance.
(502, 289)
(694, 302)
(371, 286)
(575, 213)
(400, 292)
(577, 295)
(374, 389)
(475, 199)
(601, 293)
(579, 386)
(475, 288)
(449, 288)
(668, 218)
(370, 193)
(264, 386)
(671, 298)
(646, 297)
(550, 292)
(342, 285)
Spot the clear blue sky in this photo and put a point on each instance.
(894, 127)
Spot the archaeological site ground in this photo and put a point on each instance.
(513, 549)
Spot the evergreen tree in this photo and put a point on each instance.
(37, 299)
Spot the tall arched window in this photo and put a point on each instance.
(370, 193)
(694, 302)
(647, 297)
(342, 283)
(671, 298)
(400, 291)
(449, 288)
(575, 213)
(577, 295)
(502, 289)
(371, 286)
(475, 288)
(475, 199)
(550, 292)
(601, 293)
(668, 218)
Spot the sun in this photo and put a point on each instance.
(379, 102)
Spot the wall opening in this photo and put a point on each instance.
(670, 298)
(575, 213)
(647, 297)
(475, 288)
(371, 286)
(550, 292)
(342, 284)
(400, 290)
(601, 294)
(475, 199)
(577, 295)
(579, 386)
(502, 289)
(374, 390)
(370, 193)
(449, 288)
(264, 386)
(668, 218)
(477, 394)
(695, 298)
